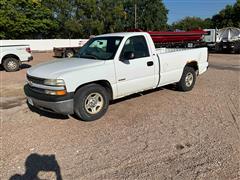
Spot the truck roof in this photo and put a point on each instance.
(122, 34)
(14, 45)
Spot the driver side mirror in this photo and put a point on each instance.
(127, 56)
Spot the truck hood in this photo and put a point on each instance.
(55, 68)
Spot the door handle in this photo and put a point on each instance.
(149, 63)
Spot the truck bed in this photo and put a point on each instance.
(173, 61)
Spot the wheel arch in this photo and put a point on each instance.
(193, 64)
(9, 56)
(104, 83)
(69, 49)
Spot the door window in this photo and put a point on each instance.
(136, 45)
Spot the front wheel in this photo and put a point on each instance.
(187, 80)
(91, 102)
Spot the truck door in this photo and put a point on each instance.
(135, 67)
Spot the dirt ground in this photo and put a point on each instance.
(163, 134)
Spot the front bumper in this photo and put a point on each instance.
(60, 107)
(57, 104)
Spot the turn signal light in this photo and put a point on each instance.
(60, 92)
(57, 92)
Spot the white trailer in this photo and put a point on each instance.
(226, 39)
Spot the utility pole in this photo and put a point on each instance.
(135, 13)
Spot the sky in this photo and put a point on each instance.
(178, 9)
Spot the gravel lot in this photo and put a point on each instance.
(164, 134)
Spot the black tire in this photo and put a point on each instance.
(236, 48)
(187, 80)
(218, 48)
(11, 64)
(69, 53)
(81, 99)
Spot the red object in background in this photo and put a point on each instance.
(28, 50)
(165, 36)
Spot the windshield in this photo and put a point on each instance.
(102, 48)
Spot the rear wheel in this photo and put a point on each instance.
(91, 102)
(187, 80)
(218, 47)
(69, 53)
(11, 64)
(236, 48)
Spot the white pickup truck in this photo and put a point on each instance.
(109, 67)
(11, 56)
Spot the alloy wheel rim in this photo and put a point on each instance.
(189, 79)
(69, 54)
(12, 65)
(94, 103)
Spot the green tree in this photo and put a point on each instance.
(191, 23)
(77, 18)
(25, 19)
(236, 18)
(151, 15)
(229, 16)
(64, 13)
(112, 15)
(82, 18)
(88, 13)
(100, 16)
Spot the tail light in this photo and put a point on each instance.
(28, 50)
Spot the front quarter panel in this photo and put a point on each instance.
(80, 77)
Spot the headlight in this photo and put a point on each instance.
(54, 82)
